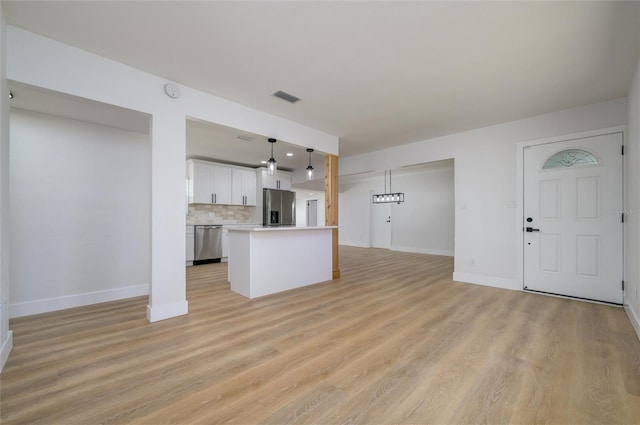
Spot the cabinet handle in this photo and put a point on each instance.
(212, 201)
(215, 198)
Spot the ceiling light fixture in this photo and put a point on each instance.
(10, 95)
(272, 165)
(385, 197)
(310, 167)
(289, 154)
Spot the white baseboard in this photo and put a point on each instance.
(445, 252)
(7, 345)
(78, 300)
(479, 279)
(356, 244)
(633, 318)
(412, 249)
(167, 311)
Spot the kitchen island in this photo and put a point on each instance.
(266, 260)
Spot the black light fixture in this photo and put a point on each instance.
(272, 165)
(388, 197)
(310, 167)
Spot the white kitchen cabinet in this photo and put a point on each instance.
(243, 187)
(221, 185)
(281, 180)
(190, 245)
(209, 183)
(200, 182)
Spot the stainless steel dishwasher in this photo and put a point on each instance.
(208, 244)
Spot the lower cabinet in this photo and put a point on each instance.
(190, 245)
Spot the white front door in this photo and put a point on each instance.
(573, 218)
(380, 224)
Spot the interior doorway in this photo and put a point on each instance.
(380, 223)
(312, 213)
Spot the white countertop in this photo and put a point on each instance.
(277, 228)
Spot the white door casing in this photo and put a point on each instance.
(380, 232)
(572, 221)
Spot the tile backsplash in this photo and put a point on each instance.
(218, 214)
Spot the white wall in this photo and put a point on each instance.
(632, 221)
(424, 223)
(6, 338)
(353, 211)
(486, 222)
(80, 213)
(42, 62)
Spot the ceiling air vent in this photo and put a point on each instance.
(247, 138)
(286, 96)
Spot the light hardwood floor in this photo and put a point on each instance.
(393, 341)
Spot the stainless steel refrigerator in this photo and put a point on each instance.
(279, 207)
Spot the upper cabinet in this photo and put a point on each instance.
(281, 180)
(221, 193)
(213, 183)
(243, 187)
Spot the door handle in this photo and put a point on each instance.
(531, 229)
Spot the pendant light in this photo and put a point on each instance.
(310, 167)
(272, 165)
(386, 197)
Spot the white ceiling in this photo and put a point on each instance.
(376, 74)
(219, 143)
(45, 101)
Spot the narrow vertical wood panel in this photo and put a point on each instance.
(331, 205)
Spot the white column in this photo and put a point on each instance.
(167, 294)
(6, 340)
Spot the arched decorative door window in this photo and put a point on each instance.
(571, 158)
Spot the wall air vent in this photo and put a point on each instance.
(247, 138)
(286, 96)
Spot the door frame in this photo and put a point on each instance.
(520, 193)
